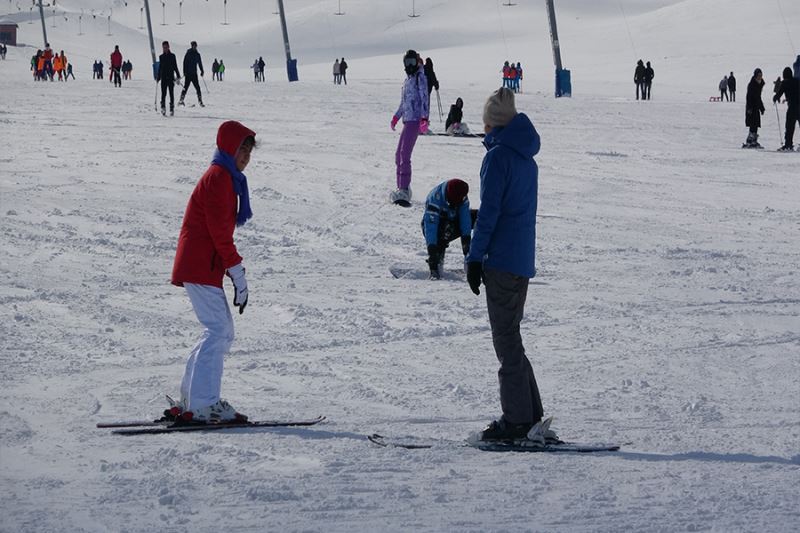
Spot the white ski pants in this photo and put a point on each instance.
(202, 378)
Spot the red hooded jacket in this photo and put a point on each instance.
(116, 59)
(205, 245)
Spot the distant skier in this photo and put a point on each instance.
(191, 62)
(649, 74)
(116, 66)
(732, 87)
(518, 78)
(414, 112)
(343, 71)
(206, 254)
(261, 65)
(221, 71)
(99, 70)
(506, 70)
(167, 74)
(502, 257)
(215, 69)
(454, 124)
(638, 78)
(754, 108)
(430, 75)
(447, 217)
(337, 71)
(723, 89)
(790, 87)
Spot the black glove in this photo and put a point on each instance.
(775, 99)
(433, 260)
(474, 276)
(465, 242)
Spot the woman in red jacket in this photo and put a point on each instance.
(206, 253)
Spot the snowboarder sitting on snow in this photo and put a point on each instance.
(790, 86)
(754, 108)
(206, 254)
(453, 124)
(447, 217)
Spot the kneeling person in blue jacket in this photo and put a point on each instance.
(447, 217)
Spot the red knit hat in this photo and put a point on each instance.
(456, 191)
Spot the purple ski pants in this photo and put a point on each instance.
(408, 138)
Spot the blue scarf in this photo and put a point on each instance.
(239, 185)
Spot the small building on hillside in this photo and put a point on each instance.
(8, 32)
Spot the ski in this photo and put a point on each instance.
(134, 423)
(478, 135)
(525, 445)
(159, 428)
(519, 445)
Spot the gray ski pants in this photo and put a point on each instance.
(505, 300)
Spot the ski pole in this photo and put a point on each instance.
(155, 98)
(779, 119)
(439, 102)
(204, 84)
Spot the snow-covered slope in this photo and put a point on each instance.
(665, 314)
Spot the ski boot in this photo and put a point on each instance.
(786, 148)
(752, 141)
(201, 103)
(163, 110)
(171, 111)
(220, 412)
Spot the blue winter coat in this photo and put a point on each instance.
(505, 233)
(438, 210)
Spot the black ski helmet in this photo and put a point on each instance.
(410, 62)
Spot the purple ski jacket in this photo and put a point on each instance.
(414, 98)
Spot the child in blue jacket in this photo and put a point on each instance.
(447, 217)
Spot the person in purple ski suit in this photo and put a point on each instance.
(414, 112)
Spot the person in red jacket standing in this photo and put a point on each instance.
(206, 254)
(116, 66)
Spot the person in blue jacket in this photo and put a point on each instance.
(502, 254)
(447, 217)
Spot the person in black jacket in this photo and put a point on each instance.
(790, 86)
(638, 78)
(191, 61)
(167, 74)
(433, 83)
(456, 114)
(343, 71)
(732, 87)
(649, 74)
(754, 108)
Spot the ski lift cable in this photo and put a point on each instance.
(330, 34)
(627, 27)
(502, 28)
(786, 25)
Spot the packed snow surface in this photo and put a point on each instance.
(665, 315)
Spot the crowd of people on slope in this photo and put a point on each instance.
(217, 70)
(339, 72)
(643, 78)
(47, 65)
(258, 69)
(512, 74)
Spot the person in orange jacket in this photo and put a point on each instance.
(58, 67)
(206, 254)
